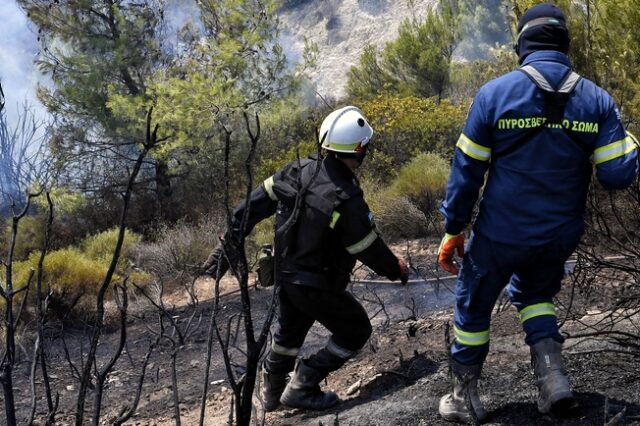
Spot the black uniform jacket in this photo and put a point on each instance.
(318, 242)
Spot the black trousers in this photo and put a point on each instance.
(339, 312)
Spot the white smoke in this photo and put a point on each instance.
(18, 73)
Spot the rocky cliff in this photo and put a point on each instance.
(341, 29)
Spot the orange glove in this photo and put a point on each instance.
(449, 244)
(404, 271)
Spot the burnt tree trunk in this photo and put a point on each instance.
(164, 191)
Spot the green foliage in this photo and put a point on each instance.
(73, 279)
(239, 64)
(483, 27)
(423, 180)
(110, 69)
(416, 63)
(68, 209)
(29, 238)
(234, 66)
(468, 77)
(396, 216)
(75, 274)
(600, 50)
(369, 77)
(288, 129)
(88, 47)
(406, 207)
(66, 271)
(65, 201)
(406, 127)
(100, 247)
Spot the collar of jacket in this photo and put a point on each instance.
(547, 56)
(338, 167)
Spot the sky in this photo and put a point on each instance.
(18, 50)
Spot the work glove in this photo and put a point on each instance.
(404, 271)
(216, 264)
(449, 244)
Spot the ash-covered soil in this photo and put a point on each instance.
(397, 379)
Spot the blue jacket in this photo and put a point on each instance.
(538, 191)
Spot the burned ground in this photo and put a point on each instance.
(397, 379)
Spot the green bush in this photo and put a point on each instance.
(73, 279)
(410, 125)
(407, 207)
(74, 275)
(416, 62)
(395, 215)
(100, 247)
(423, 180)
(29, 238)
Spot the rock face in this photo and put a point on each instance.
(341, 29)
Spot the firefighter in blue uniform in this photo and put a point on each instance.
(315, 257)
(538, 131)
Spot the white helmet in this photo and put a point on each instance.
(345, 130)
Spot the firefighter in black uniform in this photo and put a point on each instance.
(316, 251)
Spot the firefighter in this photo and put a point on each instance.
(315, 252)
(538, 131)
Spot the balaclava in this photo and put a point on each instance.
(542, 27)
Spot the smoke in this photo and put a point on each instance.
(484, 26)
(18, 73)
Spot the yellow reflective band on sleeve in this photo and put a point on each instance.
(363, 244)
(613, 150)
(537, 310)
(472, 149)
(469, 338)
(281, 350)
(334, 219)
(268, 186)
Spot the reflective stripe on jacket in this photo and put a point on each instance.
(538, 191)
(334, 226)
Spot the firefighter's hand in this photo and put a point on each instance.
(404, 271)
(216, 264)
(449, 245)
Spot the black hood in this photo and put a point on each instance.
(542, 27)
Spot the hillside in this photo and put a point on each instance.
(341, 29)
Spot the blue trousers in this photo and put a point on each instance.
(532, 274)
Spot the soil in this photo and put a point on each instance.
(397, 379)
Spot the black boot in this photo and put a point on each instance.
(554, 391)
(453, 406)
(303, 391)
(274, 373)
(272, 387)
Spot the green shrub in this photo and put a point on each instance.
(410, 125)
(423, 180)
(416, 62)
(269, 166)
(29, 238)
(101, 246)
(74, 275)
(395, 215)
